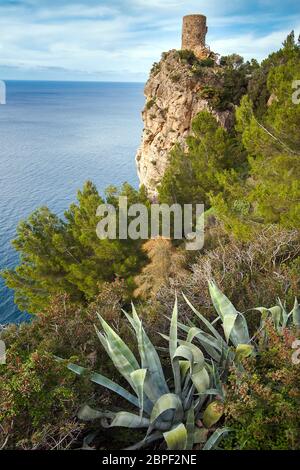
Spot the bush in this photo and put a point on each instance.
(187, 57)
(150, 103)
(66, 256)
(39, 399)
(252, 273)
(262, 404)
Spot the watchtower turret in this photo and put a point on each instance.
(194, 33)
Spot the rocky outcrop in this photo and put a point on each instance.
(173, 98)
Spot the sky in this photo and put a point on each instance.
(118, 40)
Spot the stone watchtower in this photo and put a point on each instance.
(194, 32)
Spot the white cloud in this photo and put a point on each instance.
(93, 37)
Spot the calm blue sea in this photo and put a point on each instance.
(53, 137)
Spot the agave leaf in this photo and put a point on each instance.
(138, 379)
(243, 351)
(155, 383)
(184, 367)
(127, 420)
(118, 351)
(173, 343)
(103, 340)
(214, 440)
(210, 344)
(213, 414)
(156, 436)
(168, 402)
(200, 435)
(105, 382)
(176, 439)
(86, 413)
(284, 314)
(228, 324)
(201, 380)
(217, 381)
(190, 427)
(194, 355)
(234, 323)
(188, 396)
(197, 354)
(296, 314)
(276, 313)
(204, 320)
(185, 353)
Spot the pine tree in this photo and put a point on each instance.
(66, 255)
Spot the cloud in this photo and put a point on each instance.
(122, 38)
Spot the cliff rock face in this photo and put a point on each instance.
(173, 99)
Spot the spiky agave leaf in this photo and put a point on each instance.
(234, 323)
(155, 383)
(86, 413)
(206, 322)
(176, 438)
(190, 427)
(120, 354)
(105, 382)
(295, 313)
(138, 379)
(199, 374)
(167, 410)
(123, 419)
(213, 414)
(214, 440)
(173, 343)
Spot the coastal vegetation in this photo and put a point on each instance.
(220, 374)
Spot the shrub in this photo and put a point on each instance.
(150, 103)
(39, 399)
(175, 77)
(262, 404)
(155, 68)
(39, 402)
(253, 272)
(66, 256)
(201, 362)
(187, 57)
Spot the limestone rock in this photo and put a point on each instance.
(173, 99)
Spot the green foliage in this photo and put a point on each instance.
(192, 174)
(258, 90)
(150, 103)
(201, 364)
(270, 188)
(175, 77)
(155, 68)
(169, 414)
(66, 256)
(187, 57)
(39, 398)
(262, 403)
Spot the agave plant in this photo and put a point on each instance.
(225, 351)
(237, 344)
(280, 317)
(168, 411)
(201, 358)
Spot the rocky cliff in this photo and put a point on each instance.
(177, 90)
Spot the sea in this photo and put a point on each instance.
(53, 137)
